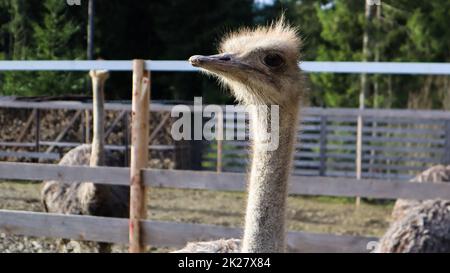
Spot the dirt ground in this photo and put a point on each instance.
(311, 214)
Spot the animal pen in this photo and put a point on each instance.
(326, 172)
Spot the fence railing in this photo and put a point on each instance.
(35, 149)
(204, 180)
(177, 234)
(410, 68)
(396, 144)
(159, 234)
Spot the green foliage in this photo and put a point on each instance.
(338, 45)
(51, 40)
(405, 31)
(172, 29)
(53, 36)
(332, 30)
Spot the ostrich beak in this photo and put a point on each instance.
(216, 63)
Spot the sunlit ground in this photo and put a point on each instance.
(311, 214)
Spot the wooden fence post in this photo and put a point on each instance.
(446, 155)
(219, 139)
(359, 132)
(38, 130)
(82, 128)
(139, 153)
(323, 145)
(126, 139)
(87, 126)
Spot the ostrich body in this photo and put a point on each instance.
(424, 229)
(88, 198)
(261, 68)
(218, 246)
(420, 226)
(85, 198)
(435, 174)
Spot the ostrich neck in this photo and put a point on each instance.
(90, 191)
(98, 140)
(267, 193)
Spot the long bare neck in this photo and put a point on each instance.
(98, 140)
(268, 185)
(89, 190)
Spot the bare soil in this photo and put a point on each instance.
(310, 214)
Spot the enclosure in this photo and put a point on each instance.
(395, 145)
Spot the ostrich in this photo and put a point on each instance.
(88, 198)
(435, 174)
(261, 68)
(425, 228)
(420, 226)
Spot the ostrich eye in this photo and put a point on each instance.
(273, 60)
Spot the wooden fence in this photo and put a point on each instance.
(323, 127)
(396, 145)
(177, 234)
(44, 149)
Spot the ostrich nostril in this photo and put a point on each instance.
(225, 58)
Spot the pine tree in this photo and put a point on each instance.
(54, 40)
(50, 39)
(17, 34)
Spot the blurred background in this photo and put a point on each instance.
(333, 30)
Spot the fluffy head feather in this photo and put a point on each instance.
(101, 75)
(259, 65)
(278, 35)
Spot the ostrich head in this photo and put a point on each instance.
(259, 65)
(101, 75)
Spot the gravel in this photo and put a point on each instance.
(22, 244)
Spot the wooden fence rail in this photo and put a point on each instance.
(412, 68)
(154, 233)
(75, 144)
(177, 234)
(300, 185)
(393, 145)
(332, 113)
(417, 139)
(157, 233)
